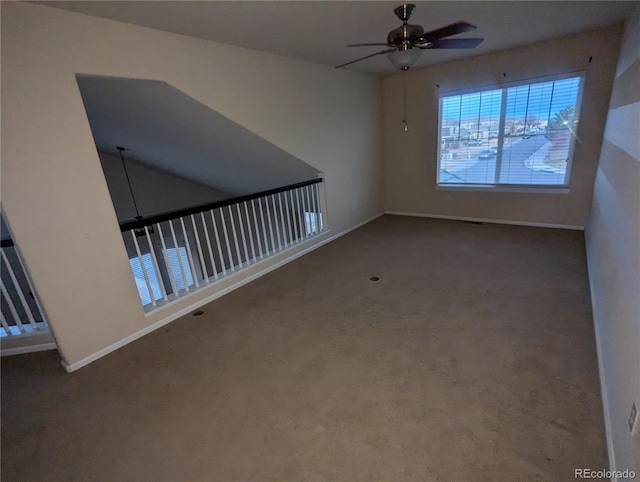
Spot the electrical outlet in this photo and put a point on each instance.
(633, 418)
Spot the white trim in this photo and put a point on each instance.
(19, 350)
(513, 83)
(41, 328)
(504, 91)
(485, 220)
(163, 305)
(528, 189)
(159, 324)
(603, 382)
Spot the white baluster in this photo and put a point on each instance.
(189, 256)
(273, 239)
(300, 210)
(206, 235)
(172, 280)
(235, 236)
(320, 215)
(253, 247)
(155, 264)
(255, 224)
(23, 301)
(275, 221)
(314, 206)
(176, 247)
(264, 229)
(288, 216)
(143, 268)
(311, 209)
(294, 226)
(202, 263)
(33, 291)
(218, 243)
(232, 266)
(305, 210)
(5, 325)
(282, 221)
(244, 239)
(12, 308)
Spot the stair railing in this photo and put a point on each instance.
(175, 253)
(20, 313)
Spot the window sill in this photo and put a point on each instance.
(514, 189)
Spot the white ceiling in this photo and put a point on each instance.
(164, 128)
(318, 31)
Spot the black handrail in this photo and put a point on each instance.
(6, 243)
(159, 218)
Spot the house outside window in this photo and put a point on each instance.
(517, 136)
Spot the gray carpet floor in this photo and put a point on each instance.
(472, 357)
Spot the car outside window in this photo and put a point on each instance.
(521, 135)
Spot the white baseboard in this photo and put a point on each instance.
(20, 350)
(159, 324)
(485, 220)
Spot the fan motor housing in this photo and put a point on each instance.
(404, 33)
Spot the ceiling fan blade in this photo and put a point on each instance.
(448, 31)
(452, 43)
(369, 45)
(365, 57)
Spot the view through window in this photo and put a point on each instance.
(173, 258)
(141, 283)
(515, 136)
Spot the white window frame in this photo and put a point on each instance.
(539, 188)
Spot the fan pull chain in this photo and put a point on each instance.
(404, 105)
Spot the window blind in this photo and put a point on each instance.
(143, 289)
(521, 135)
(174, 265)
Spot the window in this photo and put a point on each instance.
(312, 221)
(173, 263)
(141, 283)
(514, 136)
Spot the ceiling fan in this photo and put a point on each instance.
(406, 43)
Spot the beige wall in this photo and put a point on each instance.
(613, 252)
(155, 191)
(411, 157)
(53, 191)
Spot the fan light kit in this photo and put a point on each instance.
(405, 43)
